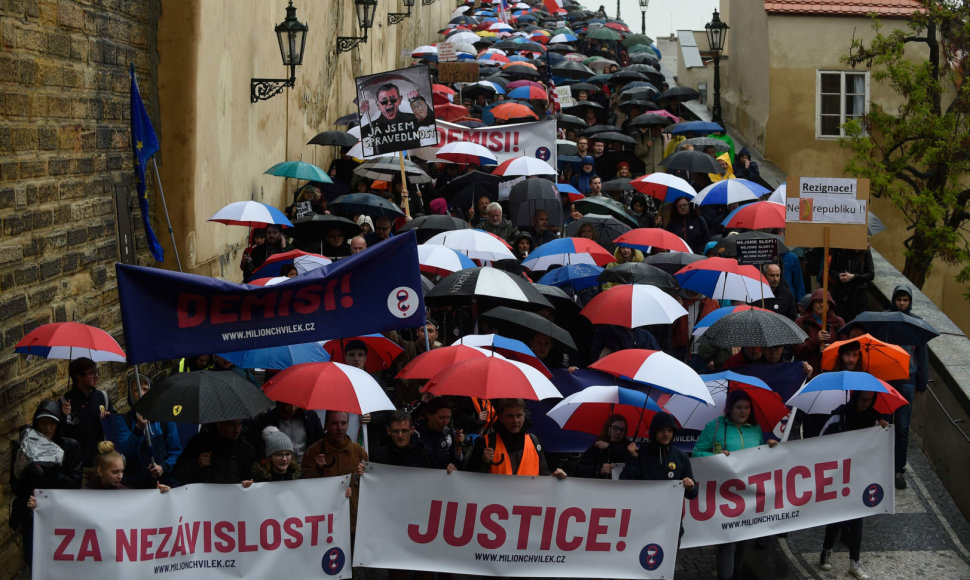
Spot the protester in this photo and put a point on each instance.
(745, 168)
(784, 301)
(84, 406)
(335, 454)
(300, 426)
(819, 338)
(280, 463)
(498, 225)
(217, 454)
(540, 228)
(611, 449)
(150, 448)
(357, 245)
(274, 244)
(858, 413)
(109, 469)
(733, 431)
(849, 275)
(691, 227)
(511, 450)
(443, 443)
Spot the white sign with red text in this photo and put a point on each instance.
(799, 484)
(537, 139)
(500, 525)
(293, 529)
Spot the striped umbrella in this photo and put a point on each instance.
(633, 306)
(757, 216)
(524, 166)
(655, 369)
(647, 238)
(303, 262)
(664, 187)
(724, 279)
(70, 340)
(476, 244)
(492, 378)
(277, 357)
(528, 93)
(485, 282)
(564, 251)
(431, 362)
(576, 276)
(250, 213)
(381, 351)
(505, 347)
(729, 191)
(441, 261)
(466, 152)
(328, 385)
(829, 390)
(588, 410)
(767, 406)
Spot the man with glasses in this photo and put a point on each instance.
(394, 129)
(84, 406)
(382, 230)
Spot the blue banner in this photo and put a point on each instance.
(144, 144)
(171, 314)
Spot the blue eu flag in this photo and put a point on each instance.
(144, 144)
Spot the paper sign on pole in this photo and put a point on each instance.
(287, 529)
(500, 525)
(814, 204)
(757, 252)
(447, 52)
(565, 96)
(458, 72)
(762, 491)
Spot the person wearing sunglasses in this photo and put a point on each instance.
(393, 129)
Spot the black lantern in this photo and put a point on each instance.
(365, 17)
(427, 2)
(643, 15)
(716, 35)
(291, 35)
(396, 17)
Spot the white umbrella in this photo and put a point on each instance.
(524, 166)
(469, 37)
(465, 152)
(779, 194)
(441, 261)
(476, 244)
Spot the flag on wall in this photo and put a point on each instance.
(144, 144)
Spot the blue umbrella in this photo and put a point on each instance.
(729, 191)
(704, 127)
(277, 357)
(578, 276)
(299, 170)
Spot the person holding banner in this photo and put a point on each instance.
(335, 455)
(510, 449)
(857, 413)
(733, 431)
(279, 465)
(217, 454)
(612, 447)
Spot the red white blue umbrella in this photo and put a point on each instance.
(563, 37)
(70, 340)
(564, 251)
(767, 407)
(524, 166)
(476, 244)
(432, 362)
(381, 351)
(830, 389)
(724, 279)
(507, 347)
(588, 410)
(576, 276)
(465, 152)
(664, 187)
(424, 50)
(729, 191)
(632, 306)
(757, 216)
(704, 323)
(303, 262)
(655, 369)
(528, 93)
(328, 385)
(250, 213)
(268, 281)
(647, 238)
(492, 378)
(442, 261)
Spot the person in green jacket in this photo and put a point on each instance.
(733, 431)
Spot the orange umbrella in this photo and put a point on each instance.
(519, 63)
(450, 112)
(882, 360)
(436, 88)
(509, 111)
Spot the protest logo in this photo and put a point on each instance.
(333, 561)
(651, 556)
(543, 153)
(402, 302)
(873, 495)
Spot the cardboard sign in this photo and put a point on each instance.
(303, 208)
(457, 72)
(447, 52)
(565, 96)
(757, 252)
(396, 111)
(818, 204)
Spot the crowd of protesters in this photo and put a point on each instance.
(460, 433)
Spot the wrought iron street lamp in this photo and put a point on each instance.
(291, 34)
(643, 15)
(716, 34)
(365, 17)
(396, 17)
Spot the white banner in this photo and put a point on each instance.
(536, 139)
(800, 484)
(297, 529)
(500, 525)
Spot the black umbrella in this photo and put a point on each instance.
(570, 122)
(754, 328)
(426, 285)
(627, 76)
(485, 283)
(649, 120)
(607, 229)
(584, 86)
(561, 301)
(367, 204)
(336, 138)
(615, 136)
(468, 196)
(644, 58)
(728, 247)
(894, 327)
(692, 161)
(477, 177)
(642, 68)
(203, 397)
(428, 226)
(523, 72)
(603, 205)
(572, 70)
(640, 273)
(618, 184)
(598, 128)
(680, 94)
(348, 119)
(641, 104)
(563, 48)
(529, 322)
(671, 262)
(531, 195)
(314, 228)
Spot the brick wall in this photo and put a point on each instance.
(63, 131)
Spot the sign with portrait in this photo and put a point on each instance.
(396, 111)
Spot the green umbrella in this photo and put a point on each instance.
(640, 48)
(604, 34)
(563, 30)
(635, 39)
(601, 205)
(299, 170)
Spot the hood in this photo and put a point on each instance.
(48, 409)
(725, 157)
(743, 151)
(661, 421)
(902, 289)
(821, 294)
(637, 255)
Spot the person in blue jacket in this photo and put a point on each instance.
(150, 448)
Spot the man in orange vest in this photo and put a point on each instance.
(510, 450)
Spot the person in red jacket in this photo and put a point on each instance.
(810, 351)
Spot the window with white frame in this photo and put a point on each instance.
(839, 97)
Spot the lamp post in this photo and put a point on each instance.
(617, 9)
(396, 17)
(716, 34)
(365, 17)
(643, 16)
(291, 35)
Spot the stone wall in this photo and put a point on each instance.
(63, 132)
